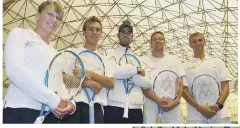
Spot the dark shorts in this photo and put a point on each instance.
(26, 116)
(114, 114)
(81, 115)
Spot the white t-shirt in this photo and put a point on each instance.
(90, 64)
(27, 58)
(210, 66)
(117, 95)
(152, 67)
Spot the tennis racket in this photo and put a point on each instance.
(166, 85)
(60, 71)
(205, 90)
(92, 61)
(128, 84)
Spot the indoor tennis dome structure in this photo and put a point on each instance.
(177, 19)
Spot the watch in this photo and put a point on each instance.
(220, 105)
(138, 70)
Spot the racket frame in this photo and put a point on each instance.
(160, 111)
(46, 78)
(91, 99)
(208, 119)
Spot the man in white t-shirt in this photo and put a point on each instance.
(157, 62)
(204, 64)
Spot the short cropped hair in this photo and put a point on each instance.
(91, 19)
(158, 32)
(196, 34)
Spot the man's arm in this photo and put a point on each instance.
(188, 97)
(204, 110)
(94, 86)
(223, 95)
(124, 71)
(141, 81)
(224, 77)
(178, 98)
(224, 92)
(150, 95)
(104, 81)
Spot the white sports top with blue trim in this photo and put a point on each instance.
(27, 57)
(116, 96)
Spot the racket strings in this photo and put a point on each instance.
(205, 89)
(67, 68)
(61, 65)
(92, 62)
(166, 84)
(71, 81)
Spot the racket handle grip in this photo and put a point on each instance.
(125, 114)
(159, 116)
(91, 113)
(158, 120)
(39, 120)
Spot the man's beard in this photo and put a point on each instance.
(124, 44)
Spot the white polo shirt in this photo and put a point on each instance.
(211, 66)
(101, 97)
(152, 67)
(116, 96)
(27, 57)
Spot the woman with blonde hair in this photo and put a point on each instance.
(27, 56)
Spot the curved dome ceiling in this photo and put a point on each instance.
(217, 19)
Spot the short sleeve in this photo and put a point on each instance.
(179, 67)
(224, 74)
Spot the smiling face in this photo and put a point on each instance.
(48, 20)
(93, 32)
(157, 41)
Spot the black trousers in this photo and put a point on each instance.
(81, 115)
(114, 115)
(25, 116)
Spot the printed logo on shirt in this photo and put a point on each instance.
(32, 42)
(169, 67)
(113, 58)
(84, 60)
(191, 66)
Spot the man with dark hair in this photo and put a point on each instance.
(164, 85)
(114, 112)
